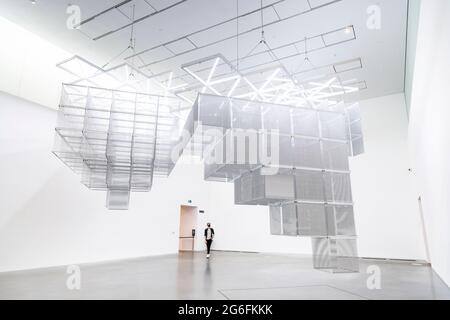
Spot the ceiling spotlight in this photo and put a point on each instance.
(348, 30)
(33, 1)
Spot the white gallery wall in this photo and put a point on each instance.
(48, 218)
(28, 65)
(386, 209)
(429, 133)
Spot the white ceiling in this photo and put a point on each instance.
(373, 58)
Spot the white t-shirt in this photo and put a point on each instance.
(208, 234)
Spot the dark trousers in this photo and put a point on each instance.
(208, 245)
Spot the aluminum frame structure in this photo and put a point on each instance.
(307, 187)
(123, 77)
(212, 30)
(117, 141)
(216, 75)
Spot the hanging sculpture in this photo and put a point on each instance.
(283, 144)
(116, 140)
(293, 160)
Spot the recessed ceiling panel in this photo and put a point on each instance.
(141, 9)
(90, 8)
(312, 44)
(246, 6)
(361, 85)
(180, 46)
(157, 54)
(253, 20)
(314, 74)
(339, 36)
(319, 3)
(348, 65)
(104, 23)
(216, 33)
(161, 4)
(261, 58)
(286, 51)
(290, 7)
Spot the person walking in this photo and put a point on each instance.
(209, 235)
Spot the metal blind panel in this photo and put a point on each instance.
(279, 187)
(338, 187)
(311, 220)
(277, 118)
(335, 155)
(246, 115)
(333, 125)
(334, 254)
(276, 227)
(307, 153)
(309, 185)
(305, 122)
(344, 220)
(213, 112)
(289, 215)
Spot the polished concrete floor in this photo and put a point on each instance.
(227, 275)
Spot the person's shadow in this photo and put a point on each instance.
(208, 269)
(208, 279)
